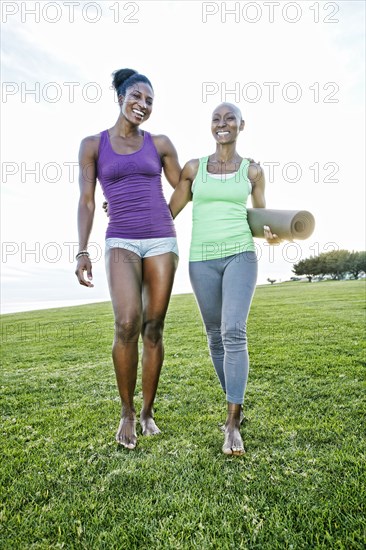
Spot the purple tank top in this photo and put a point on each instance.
(132, 186)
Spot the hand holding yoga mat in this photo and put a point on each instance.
(286, 224)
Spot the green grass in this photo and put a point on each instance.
(301, 484)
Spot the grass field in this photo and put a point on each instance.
(301, 484)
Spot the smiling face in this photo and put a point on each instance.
(226, 123)
(136, 104)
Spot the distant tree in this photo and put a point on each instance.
(308, 267)
(271, 280)
(357, 263)
(336, 263)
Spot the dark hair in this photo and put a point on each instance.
(124, 78)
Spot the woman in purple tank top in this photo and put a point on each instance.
(141, 250)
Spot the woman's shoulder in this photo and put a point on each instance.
(162, 143)
(250, 161)
(161, 140)
(190, 168)
(158, 137)
(192, 164)
(90, 143)
(92, 140)
(255, 171)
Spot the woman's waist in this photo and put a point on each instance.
(222, 229)
(141, 225)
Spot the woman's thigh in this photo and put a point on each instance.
(157, 283)
(124, 274)
(239, 281)
(206, 281)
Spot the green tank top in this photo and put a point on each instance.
(219, 215)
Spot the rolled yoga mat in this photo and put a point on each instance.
(287, 224)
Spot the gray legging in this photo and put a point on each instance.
(224, 290)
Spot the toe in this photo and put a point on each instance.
(227, 450)
(237, 451)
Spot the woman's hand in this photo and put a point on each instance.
(84, 264)
(105, 207)
(270, 237)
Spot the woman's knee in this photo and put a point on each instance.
(234, 335)
(214, 338)
(127, 330)
(152, 331)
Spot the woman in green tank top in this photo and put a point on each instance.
(222, 262)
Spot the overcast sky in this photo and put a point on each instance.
(295, 69)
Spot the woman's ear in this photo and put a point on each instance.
(120, 99)
(242, 124)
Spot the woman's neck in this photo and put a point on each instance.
(125, 129)
(225, 154)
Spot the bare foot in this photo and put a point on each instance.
(241, 420)
(233, 444)
(148, 425)
(126, 433)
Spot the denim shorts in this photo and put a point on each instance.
(145, 247)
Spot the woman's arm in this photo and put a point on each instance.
(86, 207)
(183, 191)
(257, 179)
(169, 159)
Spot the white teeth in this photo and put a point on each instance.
(138, 112)
(222, 133)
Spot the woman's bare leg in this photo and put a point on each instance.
(124, 271)
(157, 282)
